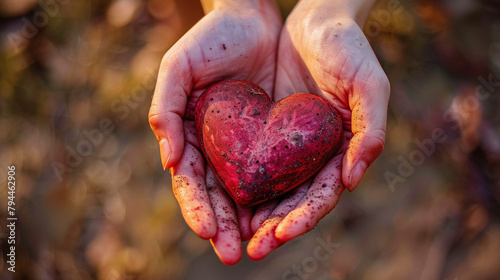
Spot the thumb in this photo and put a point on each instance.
(368, 122)
(168, 106)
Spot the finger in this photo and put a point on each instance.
(227, 240)
(188, 181)
(264, 241)
(262, 213)
(244, 219)
(369, 116)
(190, 133)
(244, 214)
(168, 106)
(320, 199)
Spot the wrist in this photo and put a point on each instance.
(210, 5)
(356, 10)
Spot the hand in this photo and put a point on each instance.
(236, 40)
(329, 56)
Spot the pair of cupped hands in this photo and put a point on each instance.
(311, 52)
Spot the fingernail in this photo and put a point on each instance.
(356, 175)
(166, 163)
(165, 152)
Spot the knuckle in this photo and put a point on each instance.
(152, 112)
(155, 121)
(378, 140)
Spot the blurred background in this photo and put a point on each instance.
(92, 201)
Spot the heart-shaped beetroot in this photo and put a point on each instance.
(260, 149)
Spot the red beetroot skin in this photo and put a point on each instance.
(260, 149)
